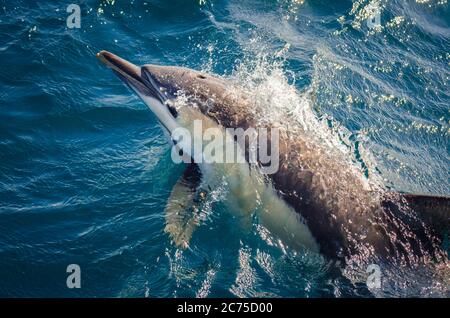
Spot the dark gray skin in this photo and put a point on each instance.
(349, 217)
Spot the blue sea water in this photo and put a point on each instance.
(85, 169)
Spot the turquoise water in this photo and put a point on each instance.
(85, 169)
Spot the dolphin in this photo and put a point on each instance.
(316, 199)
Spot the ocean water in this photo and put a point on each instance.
(85, 168)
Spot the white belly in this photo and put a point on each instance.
(248, 194)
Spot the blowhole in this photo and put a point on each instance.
(201, 76)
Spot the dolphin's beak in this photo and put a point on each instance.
(143, 83)
(131, 74)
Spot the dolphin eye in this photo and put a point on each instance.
(201, 76)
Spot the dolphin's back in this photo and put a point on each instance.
(435, 210)
(350, 216)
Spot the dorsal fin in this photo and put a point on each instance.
(435, 210)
